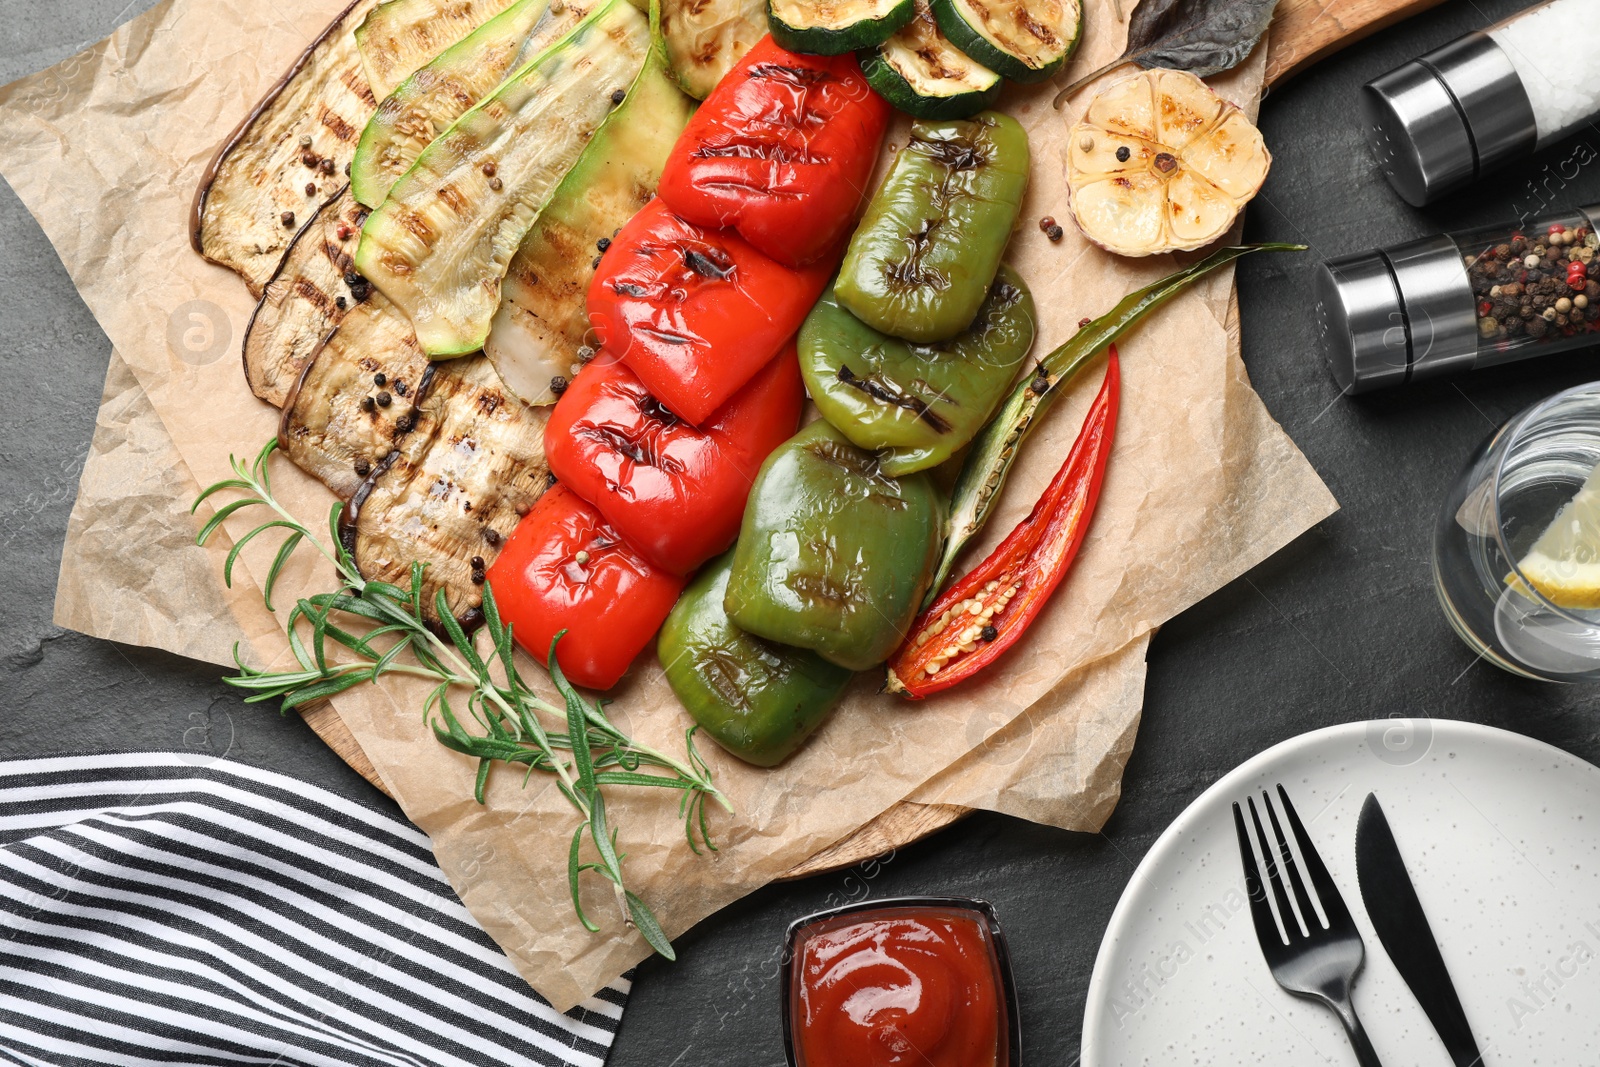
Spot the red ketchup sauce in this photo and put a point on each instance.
(898, 986)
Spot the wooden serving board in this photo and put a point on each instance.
(1303, 31)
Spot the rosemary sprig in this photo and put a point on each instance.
(586, 754)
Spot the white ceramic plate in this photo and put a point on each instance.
(1501, 835)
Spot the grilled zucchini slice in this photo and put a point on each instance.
(920, 72)
(427, 103)
(834, 27)
(542, 322)
(1024, 40)
(399, 36)
(703, 39)
(440, 245)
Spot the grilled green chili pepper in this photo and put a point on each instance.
(834, 555)
(759, 700)
(922, 259)
(995, 449)
(915, 404)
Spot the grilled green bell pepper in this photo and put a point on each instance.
(834, 555)
(758, 700)
(931, 239)
(915, 404)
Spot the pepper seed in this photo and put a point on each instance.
(582, 556)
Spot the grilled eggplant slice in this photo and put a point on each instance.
(305, 300)
(303, 133)
(365, 394)
(703, 39)
(434, 97)
(441, 243)
(458, 498)
(541, 322)
(399, 36)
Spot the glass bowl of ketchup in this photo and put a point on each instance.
(903, 982)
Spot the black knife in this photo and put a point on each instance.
(1397, 915)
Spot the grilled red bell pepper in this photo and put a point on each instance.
(986, 612)
(695, 313)
(565, 568)
(675, 493)
(782, 150)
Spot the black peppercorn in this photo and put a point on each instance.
(400, 387)
(1054, 233)
(989, 633)
(384, 400)
(1040, 385)
(603, 244)
(307, 159)
(311, 188)
(1123, 154)
(288, 218)
(596, 263)
(363, 468)
(327, 166)
(406, 423)
(352, 279)
(368, 404)
(380, 379)
(618, 96)
(492, 536)
(477, 563)
(558, 384)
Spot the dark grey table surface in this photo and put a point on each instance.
(1340, 626)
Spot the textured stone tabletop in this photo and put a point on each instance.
(1342, 625)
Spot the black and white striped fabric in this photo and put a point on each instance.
(159, 910)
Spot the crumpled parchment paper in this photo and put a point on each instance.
(106, 148)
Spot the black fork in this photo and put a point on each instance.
(1315, 961)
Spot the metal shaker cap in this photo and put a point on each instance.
(1395, 315)
(1438, 122)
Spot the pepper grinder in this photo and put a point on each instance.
(1460, 301)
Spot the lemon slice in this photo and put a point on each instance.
(1160, 163)
(1564, 564)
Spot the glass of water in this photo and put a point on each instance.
(1521, 589)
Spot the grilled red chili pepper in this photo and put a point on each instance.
(565, 568)
(782, 150)
(695, 313)
(674, 492)
(985, 612)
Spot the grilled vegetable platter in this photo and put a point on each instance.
(610, 344)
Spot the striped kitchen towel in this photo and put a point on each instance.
(156, 908)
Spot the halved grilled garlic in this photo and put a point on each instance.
(1160, 163)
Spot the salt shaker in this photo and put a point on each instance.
(1439, 122)
(1460, 301)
